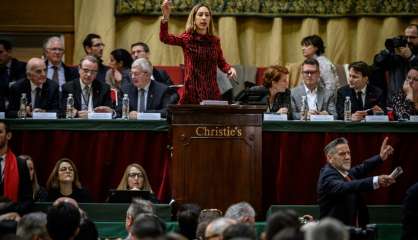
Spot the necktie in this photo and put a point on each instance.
(360, 100)
(55, 74)
(86, 98)
(37, 103)
(141, 100)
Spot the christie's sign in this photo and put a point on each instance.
(229, 131)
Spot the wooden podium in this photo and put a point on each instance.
(216, 154)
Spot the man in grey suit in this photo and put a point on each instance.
(319, 100)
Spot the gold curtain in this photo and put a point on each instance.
(245, 40)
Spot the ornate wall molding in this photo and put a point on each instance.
(276, 8)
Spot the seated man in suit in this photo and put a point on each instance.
(318, 99)
(89, 93)
(145, 95)
(57, 71)
(340, 185)
(362, 95)
(93, 46)
(42, 94)
(11, 70)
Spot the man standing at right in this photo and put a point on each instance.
(339, 185)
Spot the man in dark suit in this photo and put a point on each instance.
(89, 93)
(94, 46)
(340, 185)
(144, 94)
(57, 71)
(363, 96)
(15, 181)
(11, 70)
(42, 94)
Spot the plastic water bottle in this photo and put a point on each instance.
(347, 109)
(22, 108)
(70, 107)
(304, 109)
(125, 106)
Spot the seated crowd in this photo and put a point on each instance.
(95, 87)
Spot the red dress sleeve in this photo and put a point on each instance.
(222, 64)
(167, 38)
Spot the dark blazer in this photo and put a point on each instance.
(161, 76)
(340, 198)
(70, 73)
(101, 72)
(49, 96)
(410, 214)
(374, 96)
(158, 97)
(100, 90)
(17, 70)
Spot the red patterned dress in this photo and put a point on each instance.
(202, 55)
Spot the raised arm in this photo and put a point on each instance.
(165, 37)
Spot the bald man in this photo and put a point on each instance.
(42, 94)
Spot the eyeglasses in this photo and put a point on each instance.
(64, 169)
(134, 175)
(212, 210)
(87, 71)
(309, 73)
(55, 49)
(137, 74)
(409, 78)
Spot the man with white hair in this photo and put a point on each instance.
(242, 212)
(42, 94)
(145, 95)
(57, 71)
(33, 226)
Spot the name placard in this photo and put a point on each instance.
(95, 115)
(44, 115)
(275, 117)
(2, 115)
(377, 118)
(148, 116)
(413, 118)
(322, 118)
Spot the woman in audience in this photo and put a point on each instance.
(64, 182)
(39, 193)
(135, 178)
(405, 102)
(120, 64)
(313, 47)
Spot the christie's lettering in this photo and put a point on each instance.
(218, 132)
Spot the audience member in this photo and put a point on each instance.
(319, 101)
(42, 94)
(240, 230)
(137, 207)
(94, 46)
(313, 47)
(89, 93)
(135, 178)
(33, 226)
(187, 218)
(14, 182)
(146, 95)
(405, 102)
(410, 214)
(241, 212)
(392, 63)
(340, 185)
(148, 226)
(39, 193)
(119, 71)
(57, 71)
(63, 221)
(363, 95)
(88, 230)
(327, 229)
(64, 182)
(279, 221)
(216, 228)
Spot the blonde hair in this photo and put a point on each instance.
(190, 26)
(123, 185)
(53, 182)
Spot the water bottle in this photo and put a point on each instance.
(70, 106)
(22, 108)
(347, 109)
(125, 106)
(304, 109)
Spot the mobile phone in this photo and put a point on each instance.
(396, 172)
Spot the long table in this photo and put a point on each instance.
(292, 153)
